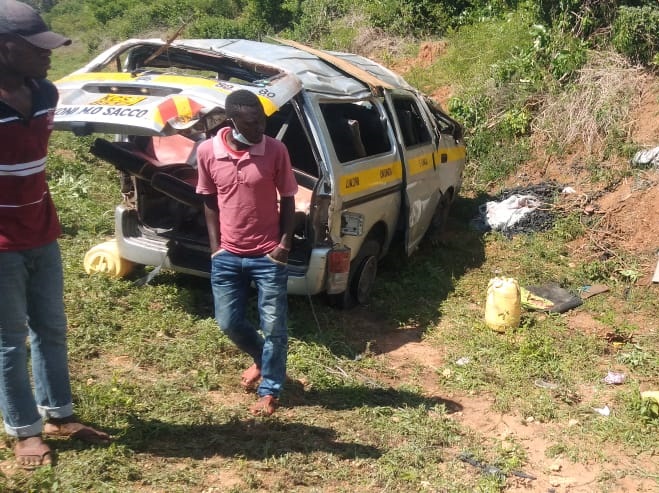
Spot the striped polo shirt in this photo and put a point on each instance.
(27, 214)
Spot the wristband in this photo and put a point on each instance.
(283, 247)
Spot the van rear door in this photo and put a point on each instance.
(420, 174)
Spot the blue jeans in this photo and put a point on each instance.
(32, 304)
(231, 277)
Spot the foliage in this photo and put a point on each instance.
(592, 110)
(314, 19)
(414, 17)
(579, 17)
(636, 33)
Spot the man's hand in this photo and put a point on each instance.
(279, 254)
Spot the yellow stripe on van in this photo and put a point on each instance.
(420, 164)
(373, 177)
(424, 163)
(453, 154)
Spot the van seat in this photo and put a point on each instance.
(172, 149)
(302, 199)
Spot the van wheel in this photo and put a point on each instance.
(363, 271)
(440, 217)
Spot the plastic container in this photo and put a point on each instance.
(503, 304)
(105, 258)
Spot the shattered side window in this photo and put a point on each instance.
(285, 125)
(412, 125)
(356, 129)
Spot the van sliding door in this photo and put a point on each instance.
(421, 179)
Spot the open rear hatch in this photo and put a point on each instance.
(152, 88)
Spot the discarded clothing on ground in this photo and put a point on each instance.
(646, 159)
(519, 210)
(549, 297)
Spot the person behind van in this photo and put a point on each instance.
(241, 172)
(31, 284)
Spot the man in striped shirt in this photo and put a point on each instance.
(31, 284)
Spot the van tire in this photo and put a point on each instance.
(363, 271)
(441, 215)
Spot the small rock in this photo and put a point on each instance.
(530, 419)
(555, 467)
(572, 422)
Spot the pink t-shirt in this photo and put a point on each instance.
(246, 185)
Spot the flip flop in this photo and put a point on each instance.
(77, 431)
(250, 378)
(32, 453)
(265, 406)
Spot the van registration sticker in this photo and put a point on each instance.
(118, 100)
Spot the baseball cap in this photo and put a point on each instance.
(21, 19)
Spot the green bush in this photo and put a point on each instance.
(414, 17)
(218, 28)
(268, 16)
(636, 33)
(580, 17)
(472, 112)
(313, 20)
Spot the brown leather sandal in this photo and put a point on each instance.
(32, 452)
(76, 430)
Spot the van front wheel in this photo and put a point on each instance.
(363, 271)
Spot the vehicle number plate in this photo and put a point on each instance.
(118, 100)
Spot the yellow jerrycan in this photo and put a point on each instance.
(105, 258)
(503, 304)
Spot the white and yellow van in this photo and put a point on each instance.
(376, 160)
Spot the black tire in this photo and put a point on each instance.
(363, 271)
(440, 217)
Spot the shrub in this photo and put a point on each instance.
(220, 27)
(580, 17)
(414, 17)
(314, 19)
(635, 33)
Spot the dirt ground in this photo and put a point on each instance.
(629, 222)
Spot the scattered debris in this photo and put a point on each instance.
(647, 158)
(490, 469)
(506, 213)
(591, 290)
(650, 394)
(543, 384)
(604, 411)
(614, 378)
(619, 338)
(549, 297)
(519, 210)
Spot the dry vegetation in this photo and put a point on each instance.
(606, 91)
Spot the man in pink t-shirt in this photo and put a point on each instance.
(242, 172)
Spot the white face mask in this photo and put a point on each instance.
(241, 138)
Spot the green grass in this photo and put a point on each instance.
(146, 362)
(149, 364)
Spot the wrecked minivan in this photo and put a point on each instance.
(376, 161)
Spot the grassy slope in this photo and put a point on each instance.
(150, 366)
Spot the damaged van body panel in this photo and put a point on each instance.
(374, 159)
